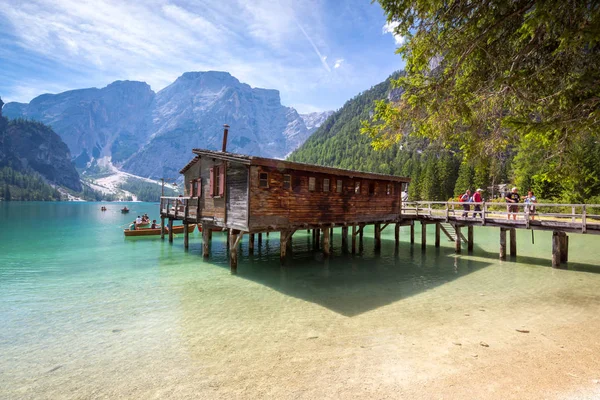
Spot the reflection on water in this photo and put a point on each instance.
(88, 312)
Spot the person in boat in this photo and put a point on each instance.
(154, 225)
(132, 226)
(138, 220)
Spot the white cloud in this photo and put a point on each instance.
(338, 63)
(390, 27)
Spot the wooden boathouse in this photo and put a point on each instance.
(253, 195)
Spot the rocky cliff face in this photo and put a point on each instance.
(27, 145)
(152, 134)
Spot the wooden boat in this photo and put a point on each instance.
(154, 232)
(124, 210)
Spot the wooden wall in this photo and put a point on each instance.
(212, 209)
(278, 207)
(236, 194)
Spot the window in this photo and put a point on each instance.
(356, 187)
(339, 186)
(326, 185)
(287, 181)
(388, 189)
(372, 188)
(217, 184)
(263, 180)
(193, 188)
(312, 181)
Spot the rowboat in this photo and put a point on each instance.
(156, 231)
(124, 210)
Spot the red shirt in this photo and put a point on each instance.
(477, 197)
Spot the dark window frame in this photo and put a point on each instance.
(328, 184)
(287, 179)
(265, 179)
(314, 184)
(339, 185)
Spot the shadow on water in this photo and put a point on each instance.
(344, 283)
(542, 262)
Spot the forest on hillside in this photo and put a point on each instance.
(28, 186)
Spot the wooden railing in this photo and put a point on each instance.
(180, 207)
(576, 214)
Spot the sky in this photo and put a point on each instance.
(317, 53)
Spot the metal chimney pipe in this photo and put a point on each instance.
(225, 131)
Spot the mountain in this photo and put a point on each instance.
(151, 134)
(314, 120)
(27, 146)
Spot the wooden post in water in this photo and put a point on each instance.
(397, 234)
(556, 239)
(234, 239)
(469, 239)
(437, 234)
(412, 231)
(318, 239)
(377, 234)
(458, 240)
(283, 239)
(326, 237)
(513, 242)
(205, 241)
(423, 235)
(170, 230)
(502, 243)
(228, 234)
(186, 236)
(354, 239)
(259, 239)
(162, 228)
(251, 243)
(331, 235)
(360, 235)
(345, 239)
(564, 249)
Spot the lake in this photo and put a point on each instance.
(88, 313)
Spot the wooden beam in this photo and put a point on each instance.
(457, 240)
(556, 256)
(186, 235)
(205, 241)
(469, 238)
(437, 234)
(345, 239)
(412, 232)
(283, 239)
(513, 242)
(383, 227)
(397, 234)
(259, 239)
(502, 243)
(170, 230)
(317, 243)
(377, 234)
(564, 248)
(251, 243)
(423, 235)
(354, 233)
(234, 239)
(162, 228)
(326, 237)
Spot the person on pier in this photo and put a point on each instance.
(530, 201)
(477, 199)
(466, 198)
(513, 198)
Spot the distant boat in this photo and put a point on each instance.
(103, 208)
(124, 210)
(156, 231)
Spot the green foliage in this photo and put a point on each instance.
(25, 186)
(498, 80)
(146, 191)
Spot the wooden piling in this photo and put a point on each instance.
(360, 235)
(423, 235)
(354, 239)
(283, 239)
(162, 228)
(170, 230)
(513, 242)
(205, 241)
(412, 232)
(469, 239)
(228, 241)
(326, 237)
(458, 240)
(251, 243)
(377, 235)
(318, 239)
(437, 234)
(502, 243)
(564, 248)
(556, 256)
(397, 234)
(345, 239)
(186, 236)
(234, 239)
(259, 239)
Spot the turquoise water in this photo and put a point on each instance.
(88, 313)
